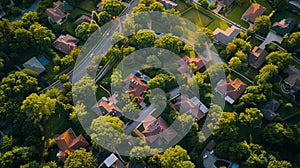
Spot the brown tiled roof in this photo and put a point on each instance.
(65, 43)
(294, 77)
(83, 18)
(257, 57)
(57, 13)
(233, 89)
(156, 130)
(184, 63)
(68, 142)
(136, 86)
(109, 107)
(184, 105)
(255, 10)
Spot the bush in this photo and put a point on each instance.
(288, 105)
(13, 11)
(212, 6)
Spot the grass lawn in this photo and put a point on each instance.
(232, 75)
(49, 75)
(237, 12)
(250, 72)
(56, 124)
(198, 18)
(101, 93)
(283, 111)
(279, 15)
(181, 6)
(254, 41)
(87, 5)
(202, 18)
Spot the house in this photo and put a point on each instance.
(255, 10)
(113, 161)
(184, 63)
(230, 90)
(257, 57)
(68, 142)
(136, 84)
(157, 131)
(269, 109)
(99, 5)
(191, 106)
(83, 18)
(292, 82)
(34, 65)
(285, 26)
(294, 5)
(107, 107)
(168, 4)
(57, 13)
(225, 37)
(65, 43)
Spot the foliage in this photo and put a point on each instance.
(113, 7)
(262, 25)
(81, 158)
(279, 58)
(169, 42)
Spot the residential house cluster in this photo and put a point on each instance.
(58, 13)
(65, 43)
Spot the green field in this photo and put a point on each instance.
(237, 12)
(202, 18)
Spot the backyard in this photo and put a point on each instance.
(202, 18)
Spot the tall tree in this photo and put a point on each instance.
(262, 25)
(279, 58)
(38, 108)
(113, 7)
(81, 158)
(278, 134)
(169, 42)
(292, 42)
(143, 39)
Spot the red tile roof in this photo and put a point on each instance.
(68, 142)
(136, 86)
(233, 89)
(65, 43)
(156, 130)
(255, 10)
(57, 13)
(184, 63)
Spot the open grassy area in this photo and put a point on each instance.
(202, 18)
(197, 17)
(56, 124)
(236, 14)
(87, 5)
(181, 6)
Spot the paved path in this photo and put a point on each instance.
(209, 162)
(270, 38)
(138, 121)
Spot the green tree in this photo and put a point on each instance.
(81, 159)
(29, 18)
(103, 17)
(266, 74)
(235, 63)
(24, 39)
(85, 30)
(279, 164)
(175, 157)
(42, 36)
(292, 42)
(143, 39)
(278, 134)
(242, 56)
(251, 116)
(113, 7)
(84, 88)
(226, 128)
(38, 108)
(169, 42)
(108, 130)
(153, 61)
(262, 25)
(279, 58)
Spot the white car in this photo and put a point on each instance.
(211, 152)
(205, 156)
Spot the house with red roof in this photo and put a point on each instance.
(230, 90)
(65, 43)
(107, 107)
(185, 62)
(191, 106)
(68, 142)
(255, 10)
(57, 13)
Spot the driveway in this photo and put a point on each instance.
(271, 37)
(209, 162)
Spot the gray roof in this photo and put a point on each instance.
(35, 65)
(269, 108)
(227, 36)
(285, 26)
